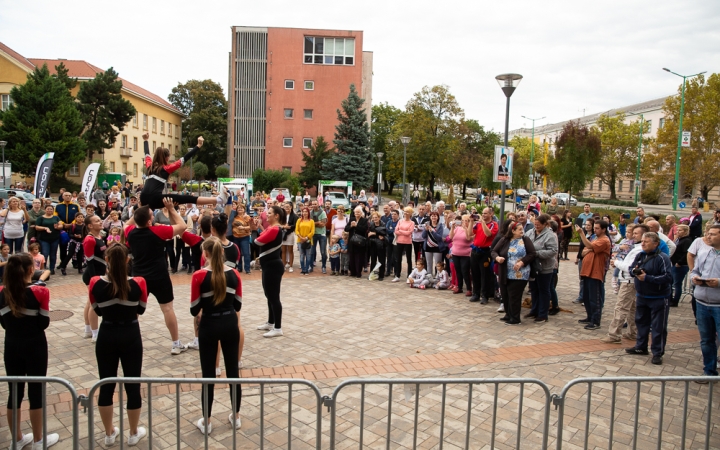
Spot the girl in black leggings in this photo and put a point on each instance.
(25, 314)
(119, 301)
(270, 243)
(216, 295)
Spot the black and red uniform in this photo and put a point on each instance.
(269, 243)
(94, 250)
(119, 339)
(232, 255)
(147, 246)
(152, 193)
(26, 350)
(218, 323)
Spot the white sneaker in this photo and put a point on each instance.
(201, 426)
(266, 326)
(135, 438)
(273, 333)
(94, 339)
(501, 308)
(195, 345)
(252, 264)
(395, 280)
(110, 440)
(176, 350)
(218, 371)
(237, 421)
(87, 335)
(290, 270)
(24, 440)
(240, 365)
(51, 439)
(287, 266)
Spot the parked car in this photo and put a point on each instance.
(275, 192)
(523, 194)
(197, 185)
(542, 197)
(337, 199)
(562, 199)
(28, 197)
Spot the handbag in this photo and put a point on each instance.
(358, 240)
(306, 245)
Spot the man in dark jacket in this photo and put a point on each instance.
(652, 271)
(695, 224)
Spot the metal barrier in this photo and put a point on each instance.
(89, 402)
(332, 404)
(561, 401)
(43, 381)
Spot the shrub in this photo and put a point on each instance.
(651, 194)
(222, 172)
(606, 201)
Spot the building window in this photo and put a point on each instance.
(162, 127)
(307, 142)
(288, 113)
(162, 145)
(620, 183)
(308, 113)
(6, 101)
(287, 168)
(135, 172)
(309, 85)
(335, 51)
(135, 146)
(74, 170)
(145, 122)
(661, 123)
(289, 84)
(177, 132)
(169, 129)
(599, 185)
(112, 166)
(592, 185)
(154, 145)
(123, 141)
(135, 120)
(649, 126)
(644, 184)
(124, 166)
(154, 125)
(287, 142)
(177, 150)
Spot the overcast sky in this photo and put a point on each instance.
(574, 55)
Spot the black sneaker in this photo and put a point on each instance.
(512, 322)
(530, 315)
(657, 360)
(636, 351)
(483, 300)
(592, 326)
(541, 319)
(474, 299)
(505, 319)
(553, 311)
(584, 321)
(63, 272)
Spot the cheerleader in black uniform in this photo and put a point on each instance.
(119, 300)
(217, 297)
(269, 243)
(25, 314)
(94, 247)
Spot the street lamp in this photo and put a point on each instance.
(508, 83)
(532, 149)
(637, 172)
(680, 131)
(3, 144)
(379, 180)
(405, 141)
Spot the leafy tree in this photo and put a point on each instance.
(205, 108)
(521, 160)
(43, 118)
(313, 162)
(476, 150)
(200, 170)
(104, 111)
(353, 160)
(576, 157)
(385, 118)
(267, 180)
(62, 75)
(700, 162)
(619, 148)
(222, 172)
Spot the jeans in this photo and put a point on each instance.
(540, 291)
(245, 257)
(708, 320)
(305, 258)
(593, 299)
(49, 251)
(322, 240)
(678, 274)
(16, 244)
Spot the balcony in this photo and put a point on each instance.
(126, 152)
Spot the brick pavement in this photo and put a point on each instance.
(338, 328)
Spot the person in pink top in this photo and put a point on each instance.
(403, 242)
(461, 236)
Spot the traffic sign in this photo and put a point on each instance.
(686, 139)
(681, 204)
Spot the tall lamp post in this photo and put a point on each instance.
(532, 150)
(680, 131)
(405, 141)
(508, 83)
(3, 144)
(379, 180)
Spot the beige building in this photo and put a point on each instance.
(154, 114)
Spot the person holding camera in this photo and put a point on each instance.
(652, 271)
(706, 278)
(595, 257)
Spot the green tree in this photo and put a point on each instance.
(476, 150)
(267, 180)
(385, 118)
(619, 149)
(353, 160)
(576, 157)
(43, 118)
(222, 172)
(104, 111)
(200, 170)
(205, 108)
(521, 160)
(313, 162)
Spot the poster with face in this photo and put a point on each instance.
(502, 170)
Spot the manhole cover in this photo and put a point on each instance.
(60, 315)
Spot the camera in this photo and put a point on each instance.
(625, 216)
(637, 271)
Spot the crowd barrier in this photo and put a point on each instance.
(465, 412)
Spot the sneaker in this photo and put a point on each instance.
(177, 349)
(218, 371)
(577, 300)
(135, 438)
(657, 360)
(704, 380)
(240, 365)
(63, 272)
(512, 322)
(238, 422)
(273, 333)
(287, 266)
(530, 315)
(194, 345)
(541, 319)
(629, 337)
(592, 326)
(469, 294)
(473, 298)
(51, 439)
(252, 264)
(87, 335)
(395, 280)
(323, 270)
(422, 286)
(636, 351)
(94, 339)
(290, 270)
(501, 308)
(483, 301)
(610, 340)
(201, 426)
(25, 440)
(266, 326)
(554, 311)
(585, 321)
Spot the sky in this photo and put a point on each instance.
(575, 56)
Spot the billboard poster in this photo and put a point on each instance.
(502, 169)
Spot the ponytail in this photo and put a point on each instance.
(16, 270)
(116, 257)
(217, 265)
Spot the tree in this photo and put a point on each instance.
(222, 172)
(619, 147)
(267, 180)
(200, 170)
(385, 118)
(43, 118)
(205, 108)
(353, 160)
(521, 160)
(313, 162)
(476, 150)
(104, 111)
(576, 157)
(700, 162)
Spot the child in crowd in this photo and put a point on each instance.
(40, 274)
(115, 237)
(418, 277)
(442, 280)
(344, 259)
(335, 254)
(4, 255)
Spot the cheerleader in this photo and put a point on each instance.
(94, 248)
(269, 243)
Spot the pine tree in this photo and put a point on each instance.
(43, 118)
(313, 162)
(353, 160)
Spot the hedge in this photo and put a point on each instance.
(606, 201)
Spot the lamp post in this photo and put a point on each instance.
(3, 144)
(405, 141)
(379, 180)
(508, 83)
(532, 150)
(680, 131)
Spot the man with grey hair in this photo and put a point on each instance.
(654, 226)
(652, 271)
(462, 209)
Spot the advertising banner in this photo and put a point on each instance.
(42, 174)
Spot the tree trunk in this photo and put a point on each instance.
(391, 185)
(613, 178)
(432, 185)
(464, 190)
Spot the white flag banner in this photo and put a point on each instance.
(89, 179)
